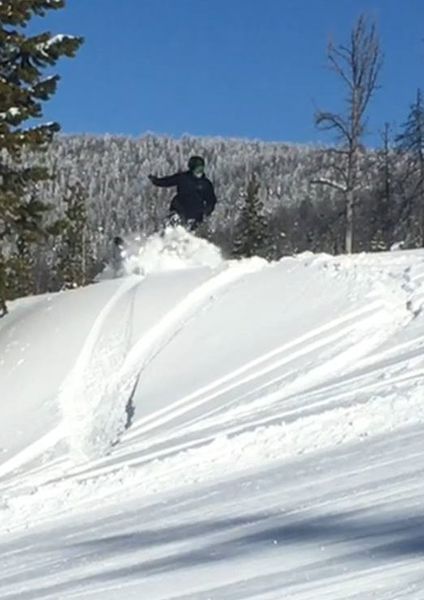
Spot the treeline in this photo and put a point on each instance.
(267, 201)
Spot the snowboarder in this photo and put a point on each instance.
(195, 197)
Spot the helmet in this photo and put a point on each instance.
(195, 162)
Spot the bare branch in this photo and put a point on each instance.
(334, 54)
(327, 121)
(330, 183)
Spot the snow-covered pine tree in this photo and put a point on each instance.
(251, 229)
(76, 258)
(23, 88)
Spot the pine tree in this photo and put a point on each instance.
(251, 230)
(76, 258)
(23, 89)
(28, 230)
(382, 217)
(410, 144)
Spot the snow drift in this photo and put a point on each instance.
(202, 428)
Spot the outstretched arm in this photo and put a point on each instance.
(170, 181)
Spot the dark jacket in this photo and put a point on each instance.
(195, 197)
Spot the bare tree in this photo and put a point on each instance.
(358, 64)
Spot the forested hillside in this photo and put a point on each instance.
(100, 189)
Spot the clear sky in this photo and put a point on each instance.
(239, 68)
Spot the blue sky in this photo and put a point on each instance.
(240, 68)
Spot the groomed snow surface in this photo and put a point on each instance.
(209, 429)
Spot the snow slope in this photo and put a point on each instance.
(205, 429)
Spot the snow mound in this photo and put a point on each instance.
(174, 249)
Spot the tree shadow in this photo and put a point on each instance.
(359, 537)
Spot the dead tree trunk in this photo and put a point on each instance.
(358, 65)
